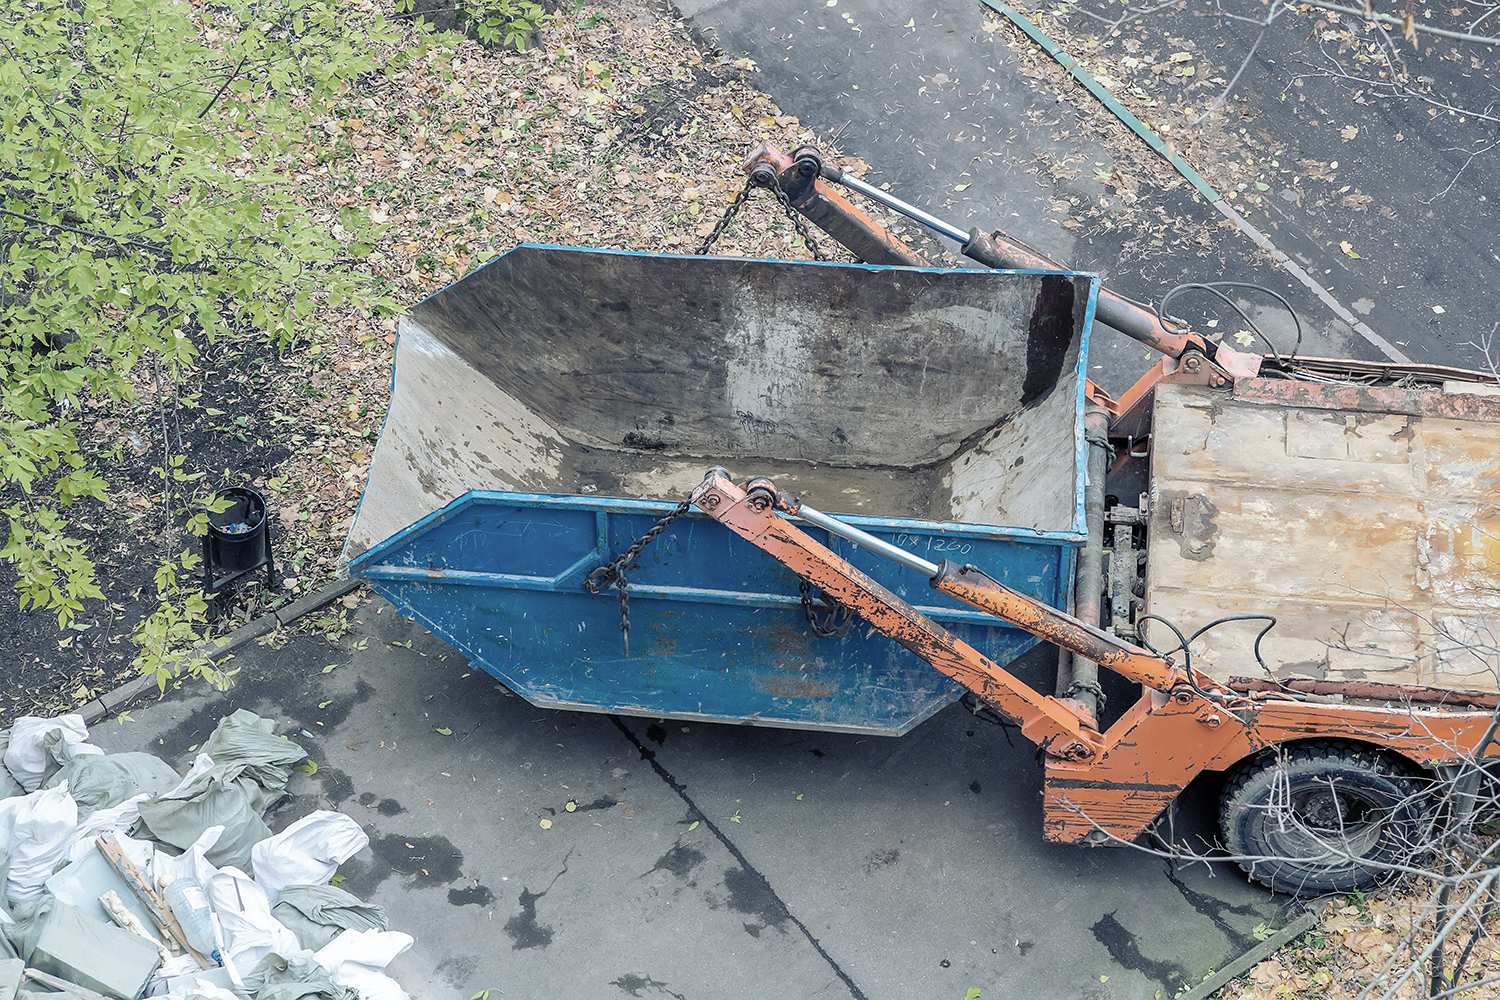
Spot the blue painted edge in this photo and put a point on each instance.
(1080, 442)
(1094, 87)
(372, 556)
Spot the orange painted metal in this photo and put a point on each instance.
(832, 212)
(1165, 741)
(1098, 787)
(1048, 722)
(972, 587)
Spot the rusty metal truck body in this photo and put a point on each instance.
(557, 405)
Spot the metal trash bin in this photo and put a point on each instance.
(238, 541)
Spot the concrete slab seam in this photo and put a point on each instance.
(111, 700)
(1301, 925)
(1312, 284)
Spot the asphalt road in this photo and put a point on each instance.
(933, 101)
(700, 861)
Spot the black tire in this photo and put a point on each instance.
(1330, 796)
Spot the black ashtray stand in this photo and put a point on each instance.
(238, 543)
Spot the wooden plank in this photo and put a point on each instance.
(157, 907)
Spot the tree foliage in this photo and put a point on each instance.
(144, 209)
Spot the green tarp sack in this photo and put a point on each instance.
(277, 978)
(319, 913)
(99, 781)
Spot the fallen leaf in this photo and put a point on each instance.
(1266, 972)
(1348, 249)
(1357, 202)
(330, 668)
(1349, 132)
(443, 731)
(1365, 942)
(961, 187)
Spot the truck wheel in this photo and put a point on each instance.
(1319, 814)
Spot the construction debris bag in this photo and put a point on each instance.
(307, 852)
(211, 798)
(244, 743)
(9, 786)
(25, 757)
(278, 978)
(319, 913)
(358, 959)
(99, 781)
(251, 931)
(56, 938)
(36, 831)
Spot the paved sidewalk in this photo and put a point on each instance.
(700, 861)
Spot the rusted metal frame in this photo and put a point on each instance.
(799, 177)
(1165, 741)
(1046, 721)
(1374, 690)
(970, 585)
(1390, 371)
(827, 209)
(1370, 399)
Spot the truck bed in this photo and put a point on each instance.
(1366, 520)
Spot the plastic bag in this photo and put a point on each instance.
(113, 821)
(36, 830)
(319, 913)
(307, 852)
(8, 784)
(191, 863)
(100, 781)
(178, 817)
(293, 978)
(250, 930)
(357, 959)
(25, 757)
(244, 743)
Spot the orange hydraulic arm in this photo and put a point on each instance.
(799, 173)
(1053, 724)
(1115, 783)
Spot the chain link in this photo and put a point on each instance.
(614, 570)
(837, 622)
(742, 196)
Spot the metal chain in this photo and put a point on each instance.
(614, 570)
(1093, 688)
(837, 622)
(742, 196)
(738, 203)
(797, 222)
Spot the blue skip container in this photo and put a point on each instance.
(552, 406)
